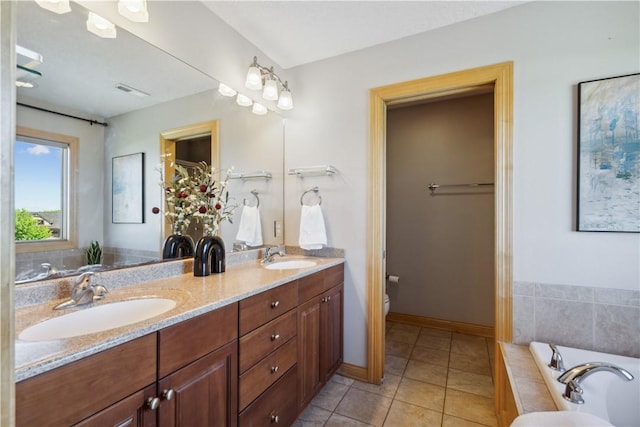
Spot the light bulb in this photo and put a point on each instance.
(101, 27)
(259, 109)
(56, 6)
(270, 92)
(285, 102)
(226, 90)
(244, 100)
(254, 78)
(134, 10)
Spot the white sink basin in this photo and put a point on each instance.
(290, 265)
(97, 319)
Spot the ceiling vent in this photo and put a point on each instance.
(131, 90)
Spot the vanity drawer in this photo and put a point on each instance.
(259, 309)
(310, 286)
(333, 276)
(259, 343)
(277, 405)
(71, 393)
(187, 341)
(257, 379)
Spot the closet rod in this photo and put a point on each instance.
(92, 122)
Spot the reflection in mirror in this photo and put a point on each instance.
(80, 73)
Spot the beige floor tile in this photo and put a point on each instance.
(387, 388)
(435, 333)
(403, 335)
(394, 365)
(449, 421)
(430, 355)
(481, 385)
(313, 416)
(432, 374)
(469, 344)
(407, 328)
(338, 420)
(337, 378)
(436, 342)
(396, 348)
(420, 393)
(330, 395)
(471, 407)
(403, 414)
(369, 408)
(470, 363)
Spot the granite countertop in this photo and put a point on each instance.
(194, 296)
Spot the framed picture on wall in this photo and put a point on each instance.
(609, 154)
(127, 189)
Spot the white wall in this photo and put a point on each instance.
(554, 45)
(89, 184)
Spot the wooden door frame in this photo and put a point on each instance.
(168, 140)
(500, 78)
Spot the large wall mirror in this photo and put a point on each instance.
(141, 93)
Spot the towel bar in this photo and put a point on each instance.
(255, 194)
(315, 190)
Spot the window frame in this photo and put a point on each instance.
(69, 200)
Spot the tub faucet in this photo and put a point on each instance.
(83, 292)
(269, 253)
(209, 257)
(556, 362)
(574, 377)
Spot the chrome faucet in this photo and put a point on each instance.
(576, 375)
(556, 362)
(83, 292)
(269, 253)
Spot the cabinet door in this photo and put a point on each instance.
(331, 323)
(203, 393)
(132, 411)
(309, 381)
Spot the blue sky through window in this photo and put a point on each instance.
(38, 176)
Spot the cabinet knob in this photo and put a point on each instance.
(275, 337)
(275, 304)
(329, 298)
(274, 369)
(168, 394)
(274, 418)
(153, 403)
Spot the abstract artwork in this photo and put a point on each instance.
(609, 154)
(128, 189)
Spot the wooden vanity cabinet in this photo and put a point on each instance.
(320, 331)
(67, 395)
(132, 411)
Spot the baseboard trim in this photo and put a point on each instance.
(353, 371)
(447, 325)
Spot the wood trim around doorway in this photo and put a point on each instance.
(500, 78)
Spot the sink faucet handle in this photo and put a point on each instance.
(99, 292)
(556, 362)
(573, 392)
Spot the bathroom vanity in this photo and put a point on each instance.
(256, 358)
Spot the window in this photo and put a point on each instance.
(44, 183)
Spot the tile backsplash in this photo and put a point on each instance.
(606, 320)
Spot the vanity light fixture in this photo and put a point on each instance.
(259, 109)
(134, 10)
(101, 27)
(226, 90)
(244, 100)
(265, 79)
(56, 6)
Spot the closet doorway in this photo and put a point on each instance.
(499, 79)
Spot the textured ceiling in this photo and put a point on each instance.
(299, 32)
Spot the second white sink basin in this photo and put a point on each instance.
(97, 319)
(290, 265)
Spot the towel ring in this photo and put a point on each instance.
(315, 190)
(255, 194)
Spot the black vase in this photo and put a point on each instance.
(209, 257)
(177, 246)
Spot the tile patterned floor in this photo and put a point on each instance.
(432, 378)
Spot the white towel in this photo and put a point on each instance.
(250, 230)
(312, 232)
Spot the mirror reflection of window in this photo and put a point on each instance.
(42, 169)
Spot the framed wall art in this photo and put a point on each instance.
(128, 189)
(609, 154)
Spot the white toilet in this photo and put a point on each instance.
(386, 304)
